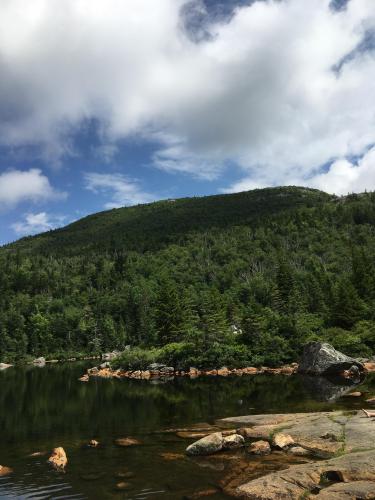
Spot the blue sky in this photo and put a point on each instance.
(107, 104)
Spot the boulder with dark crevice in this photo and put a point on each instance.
(323, 359)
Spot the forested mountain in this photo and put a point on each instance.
(232, 279)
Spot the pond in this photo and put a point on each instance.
(42, 408)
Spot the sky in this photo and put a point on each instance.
(112, 103)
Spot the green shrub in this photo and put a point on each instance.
(136, 359)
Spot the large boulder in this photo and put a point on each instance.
(320, 359)
(207, 445)
(39, 361)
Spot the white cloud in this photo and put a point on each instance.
(266, 88)
(345, 177)
(17, 186)
(37, 223)
(341, 177)
(121, 189)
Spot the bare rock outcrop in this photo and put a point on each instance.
(300, 480)
(321, 359)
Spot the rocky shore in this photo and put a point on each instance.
(165, 372)
(318, 358)
(105, 371)
(335, 450)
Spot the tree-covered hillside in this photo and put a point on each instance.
(233, 279)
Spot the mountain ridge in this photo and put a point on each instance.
(238, 280)
(211, 207)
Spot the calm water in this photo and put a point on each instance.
(41, 408)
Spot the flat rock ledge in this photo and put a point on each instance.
(340, 459)
(349, 476)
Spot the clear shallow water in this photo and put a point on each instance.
(41, 408)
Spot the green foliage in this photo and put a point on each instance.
(137, 358)
(223, 280)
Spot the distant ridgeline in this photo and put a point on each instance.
(230, 280)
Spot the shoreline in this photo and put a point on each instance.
(167, 373)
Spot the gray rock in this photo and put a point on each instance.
(260, 448)
(39, 361)
(299, 480)
(320, 358)
(109, 356)
(167, 370)
(105, 365)
(233, 441)
(4, 366)
(298, 451)
(206, 446)
(156, 367)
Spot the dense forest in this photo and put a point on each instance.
(242, 279)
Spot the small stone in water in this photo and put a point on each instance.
(4, 471)
(37, 454)
(172, 456)
(123, 486)
(92, 476)
(93, 443)
(127, 442)
(125, 474)
(58, 458)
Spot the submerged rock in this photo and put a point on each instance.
(37, 454)
(125, 474)
(58, 459)
(172, 456)
(128, 441)
(123, 486)
(321, 358)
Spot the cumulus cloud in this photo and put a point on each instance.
(121, 189)
(17, 186)
(341, 177)
(33, 223)
(279, 87)
(345, 177)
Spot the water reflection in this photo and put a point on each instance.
(44, 408)
(331, 388)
